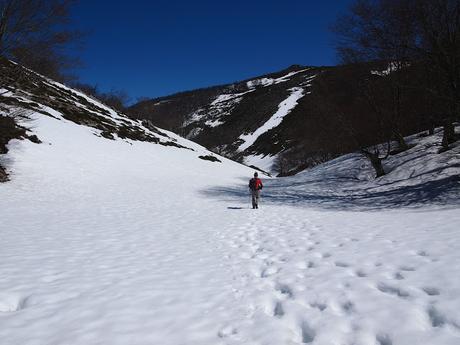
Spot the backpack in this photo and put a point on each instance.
(255, 184)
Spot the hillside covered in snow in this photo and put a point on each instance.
(301, 115)
(234, 119)
(24, 95)
(114, 232)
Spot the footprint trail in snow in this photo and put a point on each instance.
(306, 280)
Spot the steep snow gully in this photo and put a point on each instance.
(125, 242)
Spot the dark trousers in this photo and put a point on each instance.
(255, 194)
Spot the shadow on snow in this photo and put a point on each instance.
(342, 194)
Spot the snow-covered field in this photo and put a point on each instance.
(120, 242)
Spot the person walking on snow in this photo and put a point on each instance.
(255, 185)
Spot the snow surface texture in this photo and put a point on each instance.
(122, 242)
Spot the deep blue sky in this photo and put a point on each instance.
(155, 48)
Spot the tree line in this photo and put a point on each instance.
(419, 43)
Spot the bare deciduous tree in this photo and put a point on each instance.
(33, 33)
(439, 44)
(405, 32)
(117, 99)
(9, 76)
(380, 31)
(281, 165)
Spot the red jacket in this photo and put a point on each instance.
(255, 184)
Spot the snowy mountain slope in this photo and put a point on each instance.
(125, 241)
(217, 113)
(302, 115)
(36, 97)
(230, 119)
(283, 109)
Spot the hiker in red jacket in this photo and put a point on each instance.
(255, 185)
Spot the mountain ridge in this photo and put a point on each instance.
(294, 113)
(203, 109)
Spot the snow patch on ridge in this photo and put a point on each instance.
(212, 115)
(259, 82)
(229, 97)
(270, 81)
(392, 67)
(284, 108)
